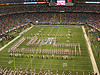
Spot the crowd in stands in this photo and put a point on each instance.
(47, 8)
(9, 21)
(94, 21)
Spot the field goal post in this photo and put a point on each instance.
(98, 54)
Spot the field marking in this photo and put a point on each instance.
(95, 68)
(43, 64)
(55, 37)
(13, 40)
(23, 62)
(36, 53)
(50, 47)
(31, 60)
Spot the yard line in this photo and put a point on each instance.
(43, 64)
(51, 61)
(57, 31)
(31, 60)
(50, 47)
(95, 68)
(55, 37)
(35, 54)
(23, 62)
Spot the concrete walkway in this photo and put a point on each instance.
(95, 68)
(13, 39)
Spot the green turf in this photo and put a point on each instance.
(78, 64)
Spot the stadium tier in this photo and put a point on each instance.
(13, 20)
(47, 8)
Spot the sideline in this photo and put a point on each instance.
(15, 38)
(95, 68)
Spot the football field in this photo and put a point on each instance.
(59, 48)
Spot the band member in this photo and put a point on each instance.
(63, 73)
(38, 57)
(43, 57)
(15, 55)
(27, 56)
(66, 57)
(22, 55)
(32, 55)
(57, 57)
(62, 57)
(47, 57)
(52, 56)
(10, 54)
(19, 55)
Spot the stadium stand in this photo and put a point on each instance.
(46, 8)
(10, 21)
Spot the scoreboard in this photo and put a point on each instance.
(61, 3)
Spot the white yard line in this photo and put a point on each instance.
(35, 54)
(12, 40)
(31, 60)
(43, 64)
(95, 68)
(55, 36)
(45, 59)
